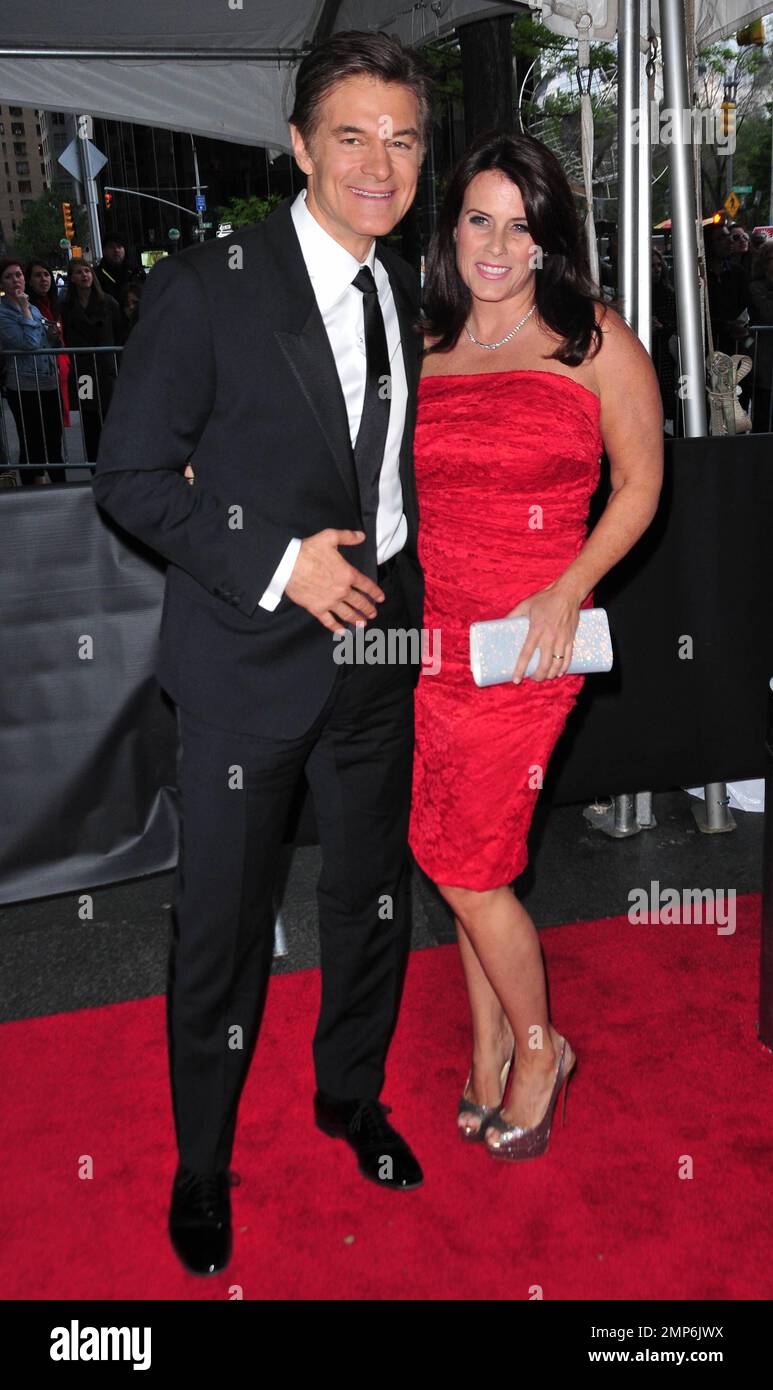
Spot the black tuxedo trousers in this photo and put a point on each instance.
(236, 791)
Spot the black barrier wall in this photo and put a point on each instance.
(702, 572)
(88, 754)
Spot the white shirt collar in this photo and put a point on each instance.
(331, 267)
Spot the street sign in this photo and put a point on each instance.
(208, 225)
(174, 233)
(742, 188)
(201, 203)
(70, 159)
(732, 203)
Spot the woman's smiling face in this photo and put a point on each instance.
(495, 254)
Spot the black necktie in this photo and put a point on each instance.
(374, 421)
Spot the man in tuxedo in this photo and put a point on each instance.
(282, 363)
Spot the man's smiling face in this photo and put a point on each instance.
(362, 160)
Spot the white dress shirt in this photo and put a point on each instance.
(331, 270)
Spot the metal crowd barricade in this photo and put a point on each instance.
(756, 388)
(761, 378)
(78, 445)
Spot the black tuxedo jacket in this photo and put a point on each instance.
(230, 367)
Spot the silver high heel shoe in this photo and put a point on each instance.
(518, 1142)
(482, 1113)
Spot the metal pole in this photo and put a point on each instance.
(634, 272)
(199, 213)
(644, 815)
(133, 193)
(89, 189)
(151, 55)
(730, 94)
(714, 815)
(770, 204)
(644, 151)
(628, 100)
(683, 218)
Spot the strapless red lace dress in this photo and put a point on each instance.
(490, 450)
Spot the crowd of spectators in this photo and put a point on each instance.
(95, 308)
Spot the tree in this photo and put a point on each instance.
(752, 69)
(487, 74)
(41, 230)
(241, 212)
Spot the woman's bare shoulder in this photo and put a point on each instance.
(620, 346)
(623, 367)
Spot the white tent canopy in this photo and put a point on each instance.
(224, 68)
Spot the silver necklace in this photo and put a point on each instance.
(490, 346)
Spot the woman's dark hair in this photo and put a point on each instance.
(564, 292)
(9, 261)
(665, 278)
(71, 294)
(355, 54)
(53, 294)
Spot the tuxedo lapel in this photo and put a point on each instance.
(409, 344)
(311, 358)
(307, 348)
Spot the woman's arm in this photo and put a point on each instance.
(20, 332)
(632, 430)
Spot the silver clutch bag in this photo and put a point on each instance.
(496, 646)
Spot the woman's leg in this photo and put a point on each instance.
(52, 422)
(506, 944)
(92, 430)
(26, 413)
(492, 1036)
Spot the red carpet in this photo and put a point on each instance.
(663, 1022)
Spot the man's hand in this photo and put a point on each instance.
(327, 586)
(323, 582)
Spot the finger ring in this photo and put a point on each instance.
(556, 656)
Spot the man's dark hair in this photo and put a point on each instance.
(359, 54)
(113, 239)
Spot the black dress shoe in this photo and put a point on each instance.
(200, 1219)
(382, 1155)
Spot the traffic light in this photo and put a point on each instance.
(69, 229)
(108, 200)
(728, 119)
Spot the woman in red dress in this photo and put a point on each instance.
(527, 377)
